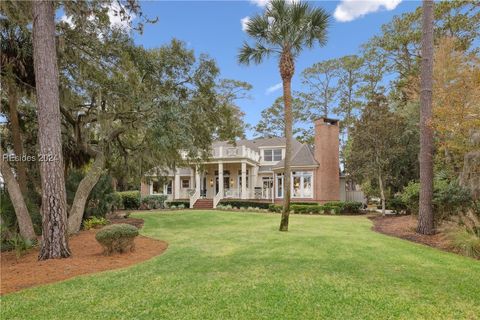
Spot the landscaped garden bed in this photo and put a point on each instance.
(26, 271)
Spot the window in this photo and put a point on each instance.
(240, 179)
(168, 186)
(272, 154)
(185, 183)
(302, 184)
(279, 186)
(156, 187)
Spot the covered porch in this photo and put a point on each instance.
(225, 180)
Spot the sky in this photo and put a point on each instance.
(215, 28)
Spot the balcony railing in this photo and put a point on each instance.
(240, 152)
(235, 152)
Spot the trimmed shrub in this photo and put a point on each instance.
(305, 203)
(352, 207)
(245, 204)
(275, 207)
(117, 238)
(154, 201)
(176, 204)
(94, 222)
(130, 199)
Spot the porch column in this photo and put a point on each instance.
(176, 194)
(244, 180)
(220, 179)
(253, 183)
(197, 180)
(192, 178)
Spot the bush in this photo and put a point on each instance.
(352, 207)
(17, 243)
(130, 199)
(176, 204)
(117, 238)
(117, 201)
(7, 212)
(275, 207)
(94, 222)
(154, 201)
(466, 243)
(410, 196)
(449, 198)
(396, 204)
(245, 204)
(181, 206)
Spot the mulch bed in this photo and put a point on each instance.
(87, 257)
(404, 227)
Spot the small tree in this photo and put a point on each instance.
(375, 144)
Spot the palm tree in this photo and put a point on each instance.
(425, 214)
(284, 30)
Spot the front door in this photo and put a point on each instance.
(226, 184)
(267, 188)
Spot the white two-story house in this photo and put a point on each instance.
(253, 170)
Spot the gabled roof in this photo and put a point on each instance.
(302, 157)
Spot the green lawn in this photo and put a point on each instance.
(224, 265)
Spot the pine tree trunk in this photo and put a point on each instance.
(21, 212)
(425, 215)
(54, 205)
(286, 70)
(82, 193)
(16, 136)
(382, 193)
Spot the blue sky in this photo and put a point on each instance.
(214, 27)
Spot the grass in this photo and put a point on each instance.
(224, 265)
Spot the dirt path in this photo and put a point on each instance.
(86, 258)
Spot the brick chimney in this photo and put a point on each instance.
(327, 178)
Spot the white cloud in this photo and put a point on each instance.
(349, 10)
(113, 15)
(116, 18)
(260, 3)
(244, 22)
(274, 88)
(263, 3)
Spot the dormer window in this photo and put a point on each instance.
(272, 154)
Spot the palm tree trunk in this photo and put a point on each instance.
(16, 136)
(425, 215)
(21, 212)
(54, 204)
(286, 70)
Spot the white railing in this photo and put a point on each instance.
(217, 199)
(235, 152)
(194, 198)
(230, 152)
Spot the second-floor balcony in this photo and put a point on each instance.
(239, 152)
(226, 152)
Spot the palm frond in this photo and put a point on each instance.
(255, 54)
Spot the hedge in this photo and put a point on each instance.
(130, 199)
(336, 207)
(154, 201)
(186, 204)
(244, 204)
